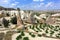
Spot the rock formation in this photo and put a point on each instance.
(19, 21)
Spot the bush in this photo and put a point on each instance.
(33, 35)
(25, 38)
(30, 33)
(14, 20)
(59, 28)
(43, 34)
(55, 29)
(57, 36)
(46, 31)
(7, 14)
(38, 28)
(37, 31)
(32, 26)
(18, 31)
(22, 33)
(51, 33)
(19, 37)
(0, 25)
(5, 22)
(39, 35)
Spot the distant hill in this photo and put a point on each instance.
(3, 8)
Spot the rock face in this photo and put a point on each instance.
(2, 36)
(50, 21)
(1, 24)
(19, 21)
(8, 35)
(53, 20)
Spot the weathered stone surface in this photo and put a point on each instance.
(1, 36)
(19, 22)
(9, 34)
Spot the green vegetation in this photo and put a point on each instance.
(13, 20)
(32, 35)
(51, 33)
(48, 29)
(18, 31)
(36, 13)
(25, 38)
(22, 33)
(7, 14)
(5, 22)
(19, 37)
(0, 24)
(58, 35)
(39, 35)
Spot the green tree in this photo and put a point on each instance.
(19, 37)
(14, 20)
(25, 38)
(7, 14)
(39, 35)
(5, 22)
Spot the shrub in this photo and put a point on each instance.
(55, 29)
(43, 34)
(59, 28)
(22, 33)
(36, 31)
(51, 27)
(46, 31)
(44, 18)
(7, 14)
(30, 33)
(39, 35)
(18, 31)
(14, 20)
(57, 36)
(5, 22)
(25, 38)
(0, 25)
(33, 27)
(19, 37)
(30, 27)
(51, 33)
(33, 35)
(56, 26)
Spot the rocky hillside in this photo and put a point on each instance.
(3, 8)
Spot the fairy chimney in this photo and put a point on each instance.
(19, 21)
